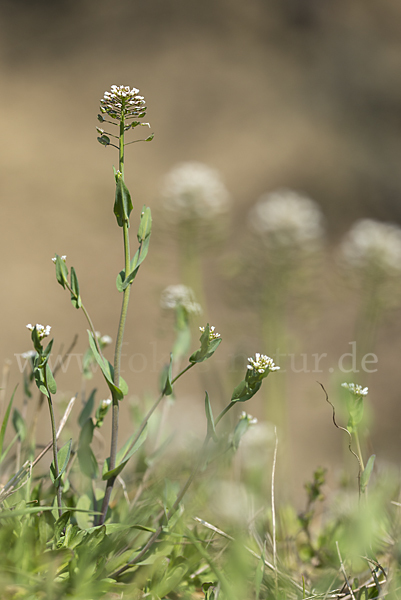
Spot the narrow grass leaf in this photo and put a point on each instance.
(5, 420)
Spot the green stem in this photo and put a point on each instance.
(358, 447)
(54, 438)
(119, 343)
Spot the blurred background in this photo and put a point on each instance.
(300, 94)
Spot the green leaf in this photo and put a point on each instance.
(86, 435)
(61, 271)
(63, 456)
(51, 384)
(84, 518)
(39, 380)
(355, 411)
(87, 462)
(367, 472)
(138, 259)
(60, 525)
(208, 347)
(124, 455)
(19, 425)
(244, 391)
(120, 281)
(5, 420)
(106, 370)
(150, 138)
(75, 297)
(123, 204)
(145, 225)
(211, 430)
(87, 409)
(166, 377)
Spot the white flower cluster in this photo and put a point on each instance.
(286, 218)
(29, 354)
(41, 330)
(261, 363)
(123, 100)
(251, 420)
(212, 334)
(193, 190)
(371, 243)
(63, 258)
(180, 295)
(355, 389)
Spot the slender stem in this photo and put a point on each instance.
(358, 447)
(54, 438)
(119, 343)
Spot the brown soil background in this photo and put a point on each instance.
(297, 93)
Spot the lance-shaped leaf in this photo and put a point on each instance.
(61, 271)
(123, 204)
(63, 456)
(367, 472)
(139, 257)
(145, 225)
(75, 297)
(19, 424)
(87, 462)
(211, 430)
(87, 409)
(124, 455)
(244, 391)
(51, 384)
(5, 420)
(107, 370)
(208, 347)
(166, 376)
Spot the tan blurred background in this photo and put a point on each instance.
(297, 93)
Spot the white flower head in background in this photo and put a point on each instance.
(286, 218)
(174, 296)
(370, 244)
(192, 190)
(355, 389)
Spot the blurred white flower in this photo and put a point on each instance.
(193, 190)
(286, 218)
(105, 340)
(63, 258)
(251, 420)
(355, 389)
(370, 243)
(29, 354)
(180, 295)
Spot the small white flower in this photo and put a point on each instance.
(123, 100)
(355, 389)
(212, 334)
(63, 258)
(193, 190)
(106, 340)
(261, 363)
(41, 330)
(371, 243)
(180, 295)
(286, 218)
(105, 403)
(251, 420)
